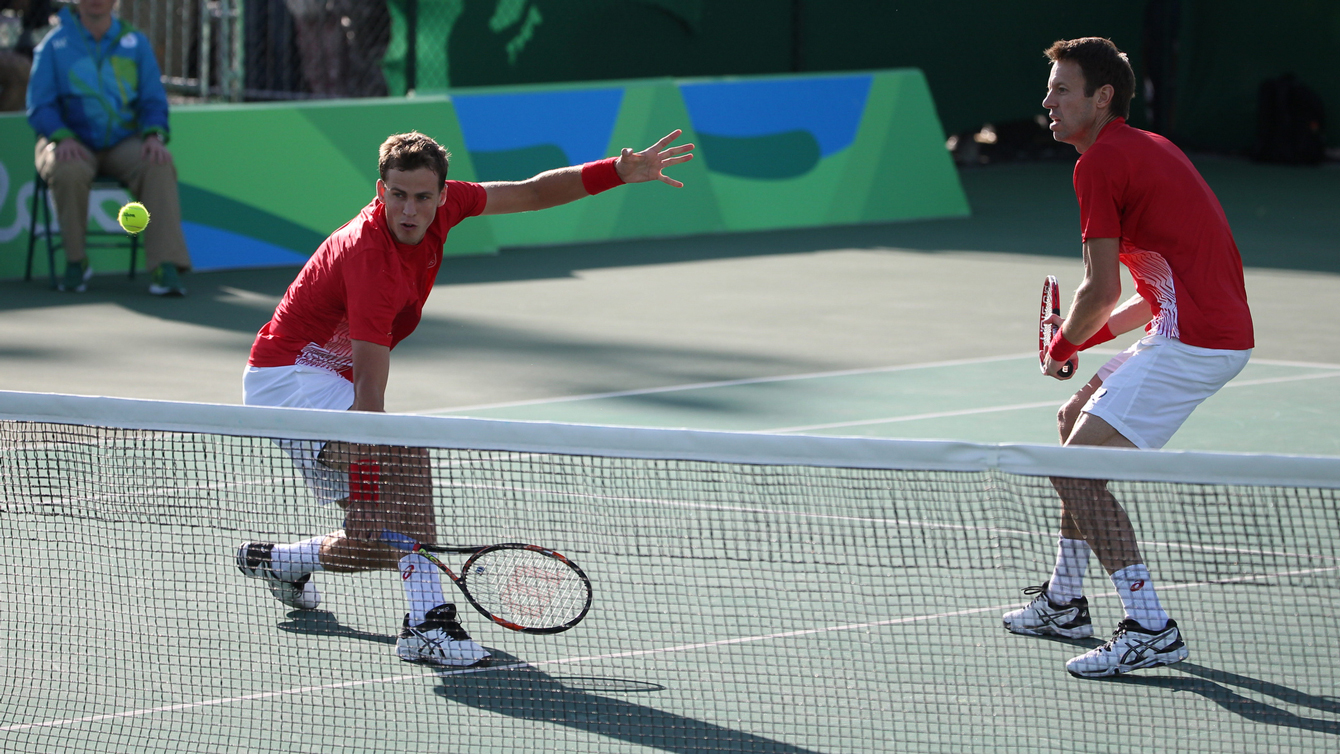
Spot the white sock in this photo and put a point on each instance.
(1137, 596)
(423, 586)
(292, 562)
(1067, 582)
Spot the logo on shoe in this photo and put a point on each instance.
(1138, 585)
(409, 571)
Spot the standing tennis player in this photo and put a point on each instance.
(1142, 204)
(329, 344)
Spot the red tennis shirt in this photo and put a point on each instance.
(361, 284)
(1175, 239)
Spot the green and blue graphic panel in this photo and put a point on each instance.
(263, 185)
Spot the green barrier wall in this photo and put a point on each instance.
(263, 185)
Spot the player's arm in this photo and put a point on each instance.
(1133, 313)
(555, 187)
(372, 367)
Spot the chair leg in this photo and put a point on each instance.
(32, 229)
(51, 249)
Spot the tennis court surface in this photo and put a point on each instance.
(753, 593)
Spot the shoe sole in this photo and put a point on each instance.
(1083, 632)
(1156, 662)
(441, 663)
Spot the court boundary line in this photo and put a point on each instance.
(728, 383)
(1016, 407)
(612, 655)
(803, 376)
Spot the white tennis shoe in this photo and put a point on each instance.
(439, 640)
(253, 559)
(1042, 617)
(1131, 647)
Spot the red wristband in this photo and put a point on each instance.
(1061, 349)
(365, 478)
(600, 176)
(1102, 336)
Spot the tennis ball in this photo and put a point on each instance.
(133, 217)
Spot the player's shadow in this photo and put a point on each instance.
(510, 687)
(1213, 685)
(322, 623)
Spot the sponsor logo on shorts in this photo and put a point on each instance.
(409, 571)
(1138, 585)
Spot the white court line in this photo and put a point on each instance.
(609, 656)
(1017, 406)
(729, 383)
(807, 376)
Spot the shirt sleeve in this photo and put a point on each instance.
(44, 113)
(1098, 180)
(151, 101)
(464, 199)
(368, 287)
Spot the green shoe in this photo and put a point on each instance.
(76, 277)
(165, 282)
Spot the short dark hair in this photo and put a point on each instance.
(1102, 64)
(412, 151)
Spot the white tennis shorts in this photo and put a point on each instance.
(1151, 388)
(300, 386)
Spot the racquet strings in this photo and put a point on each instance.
(526, 587)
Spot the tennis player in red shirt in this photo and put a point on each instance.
(1142, 204)
(329, 345)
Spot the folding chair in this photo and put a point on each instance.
(96, 238)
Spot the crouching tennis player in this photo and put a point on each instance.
(328, 346)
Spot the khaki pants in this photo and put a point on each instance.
(155, 186)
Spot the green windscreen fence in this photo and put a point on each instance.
(772, 152)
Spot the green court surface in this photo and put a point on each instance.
(1000, 399)
(758, 623)
(881, 634)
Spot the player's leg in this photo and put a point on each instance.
(1146, 636)
(391, 489)
(287, 568)
(1059, 607)
(70, 182)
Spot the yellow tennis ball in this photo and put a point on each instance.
(133, 217)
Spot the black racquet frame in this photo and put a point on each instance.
(1051, 306)
(462, 581)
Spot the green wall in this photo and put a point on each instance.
(263, 185)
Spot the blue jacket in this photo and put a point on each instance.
(100, 92)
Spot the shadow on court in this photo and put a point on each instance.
(1213, 685)
(580, 703)
(322, 623)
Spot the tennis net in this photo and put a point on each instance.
(752, 593)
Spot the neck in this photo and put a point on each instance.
(1092, 136)
(97, 24)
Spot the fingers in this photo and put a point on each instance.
(676, 160)
(667, 179)
(658, 146)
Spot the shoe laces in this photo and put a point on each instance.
(1119, 632)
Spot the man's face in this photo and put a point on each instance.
(96, 7)
(412, 198)
(1073, 115)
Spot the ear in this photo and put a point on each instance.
(381, 189)
(1103, 97)
(442, 195)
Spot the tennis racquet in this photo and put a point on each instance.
(526, 588)
(1051, 306)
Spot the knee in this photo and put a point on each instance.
(1068, 415)
(70, 175)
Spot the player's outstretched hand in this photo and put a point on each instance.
(640, 167)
